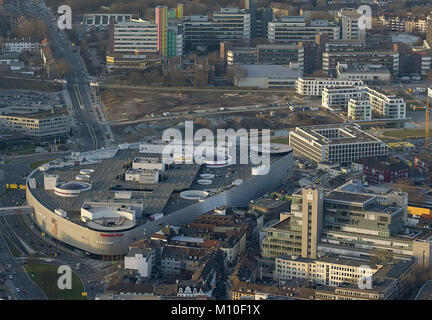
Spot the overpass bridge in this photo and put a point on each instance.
(18, 210)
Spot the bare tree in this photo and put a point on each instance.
(32, 260)
(61, 67)
(201, 78)
(235, 73)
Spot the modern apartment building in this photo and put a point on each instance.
(338, 143)
(136, 35)
(37, 125)
(359, 109)
(386, 104)
(387, 59)
(351, 222)
(315, 86)
(337, 98)
(293, 29)
(400, 22)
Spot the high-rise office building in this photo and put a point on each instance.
(228, 24)
(350, 221)
(161, 19)
(350, 25)
(169, 30)
(232, 24)
(136, 35)
(252, 7)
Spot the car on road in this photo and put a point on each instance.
(18, 290)
(10, 276)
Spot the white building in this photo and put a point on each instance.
(293, 29)
(135, 35)
(359, 109)
(92, 211)
(330, 271)
(20, 45)
(150, 163)
(388, 105)
(337, 98)
(148, 176)
(315, 86)
(335, 143)
(103, 19)
(141, 260)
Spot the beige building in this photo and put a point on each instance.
(37, 124)
(330, 271)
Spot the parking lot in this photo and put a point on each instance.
(27, 101)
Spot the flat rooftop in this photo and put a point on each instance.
(107, 178)
(350, 197)
(334, 134)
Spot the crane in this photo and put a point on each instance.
(427, 130)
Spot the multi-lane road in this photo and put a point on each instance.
(93, 133)
(19, 229)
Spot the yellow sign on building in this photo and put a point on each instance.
(418, 211)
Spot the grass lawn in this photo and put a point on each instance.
(25, 84)
(46, 277)
(15, 252)
(407, 133)
(36, 164)
(283, 140)
(28, 148)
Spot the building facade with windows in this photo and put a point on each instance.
(38, 125)
(351, 222)
(136, 35)
(386, 104)
(359, 109)
(327, 270)
(339, 143)
(337, 98)
(315, 86)
(294, 29)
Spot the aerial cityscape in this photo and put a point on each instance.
(225, 150)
